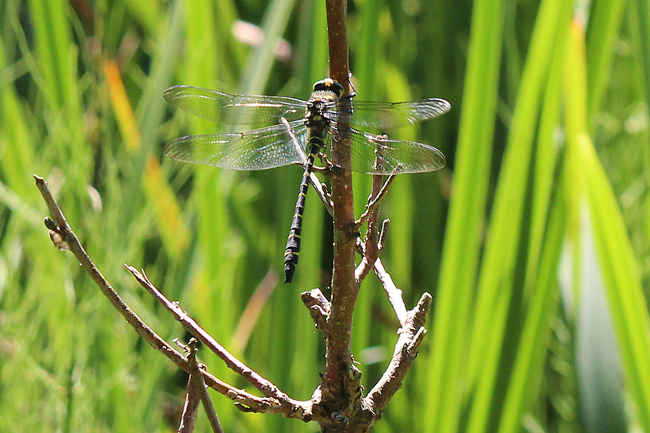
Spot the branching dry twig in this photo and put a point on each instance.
(62, 234)
(370, 249)
(285, 404)
(65, 238)
(374, 242)
(410, 337)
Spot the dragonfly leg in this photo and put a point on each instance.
(326, 162)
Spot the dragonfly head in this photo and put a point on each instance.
(329, 84)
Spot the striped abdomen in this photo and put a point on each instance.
(293, 243)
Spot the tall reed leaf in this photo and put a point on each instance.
(617, 264)
(465, 221)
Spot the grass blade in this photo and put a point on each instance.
(465, 220)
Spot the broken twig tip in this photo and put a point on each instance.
(50, 224)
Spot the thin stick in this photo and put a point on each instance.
(394, 294)
(341, 381)
(373, 244)
(382, 234)
(265, 386)
(190, 409)
(318, 187)
(60, 227)
(196, 377)
(374, 203)
(410, 337)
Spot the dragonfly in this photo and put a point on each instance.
(298, 131)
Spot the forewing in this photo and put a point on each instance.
(388, 115)
(234, 109)
(377, 154)
(258, 149)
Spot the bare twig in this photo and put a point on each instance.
(322, 193)
(394, 294)
(366, 264)
(319, 309)
(341, 385)
(382, 234)
(374, 242)
(411, 335)
(337, 12)
(373, 203)
(370, 249)
(196, 377)
(63, 235)
(243, 400)
(190, 409)
(265, 386)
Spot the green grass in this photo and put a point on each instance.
(534, 240)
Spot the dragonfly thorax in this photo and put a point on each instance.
(317, 117)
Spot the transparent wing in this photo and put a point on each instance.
(377, 154)
(234, 109)
(258, 149)
(388, 115)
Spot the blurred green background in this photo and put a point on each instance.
(534, 240)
